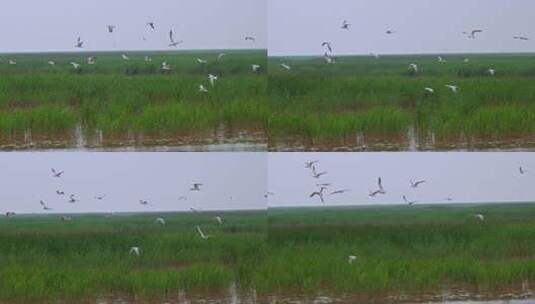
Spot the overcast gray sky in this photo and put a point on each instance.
(125, 178)
(54, 25)
(465, 177)
(423, 26)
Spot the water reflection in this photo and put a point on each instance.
(220, 139)
(234, 295)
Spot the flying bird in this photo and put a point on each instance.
(380, 189)
(203, 89)
(521, 170)
(79, 43)
(212, 78)
(201, 233)
(72, 199)
(195, 187)
(143, 202)
(173, 43)
(328, 45)
(480, 217)
(165, 67)
(160, 221)
(51, 62)
(43, 204)
(339, 191)
(58, 192)
(12, 61)
(111, 28)
(318, 194)
(491, 72)
(429, 90)
(75, 65)
(220, 56)
(410, 203)
(415, 184)
(218, 219)
(524, 38)
(345, 25)
(135, 250)
(351, 259)
(202, 61)
(317, 174)
(151, 25)
(10, 214)
(91, 60)
(472, 34)
(285, 66)
(390, 32)
(453, 88)
(66, 218)
(413, 67)
(125, 57)
(56, 173)
(255, 67)
(311, 163)
(251, 38)
(100, 197)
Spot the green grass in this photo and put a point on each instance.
(121, 97)
(399, 249)
(46, 259)
(379, 98)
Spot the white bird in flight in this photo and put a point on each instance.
(79, 43)
(196, 187)
(56, 173)
(173, 43)
(480, 217)
(43, 204)
(218, 219)
(160, 221)
(416, 183)
(410, 203)
(50, 62)
(91, 60)
(453, 88)
(429, 90)
(414, 67)
(72, 199)
(339, 191)
(203, 89)
(135, 250)
(317, 174)
(12, 61)
(285, 66)
(255, 67)
(491, 72)
(165, 67)
(75, 65)
(380, 189)
(318, 194)
(202, 61)
(351, 259)
(201, 233)
(125, 57)
(212, 78)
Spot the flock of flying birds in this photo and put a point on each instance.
(330, 58)
(324, 188)
(165, 66)
(195, 186)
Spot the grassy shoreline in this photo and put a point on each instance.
(118, 97)
(382, 98)
(294, 251)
